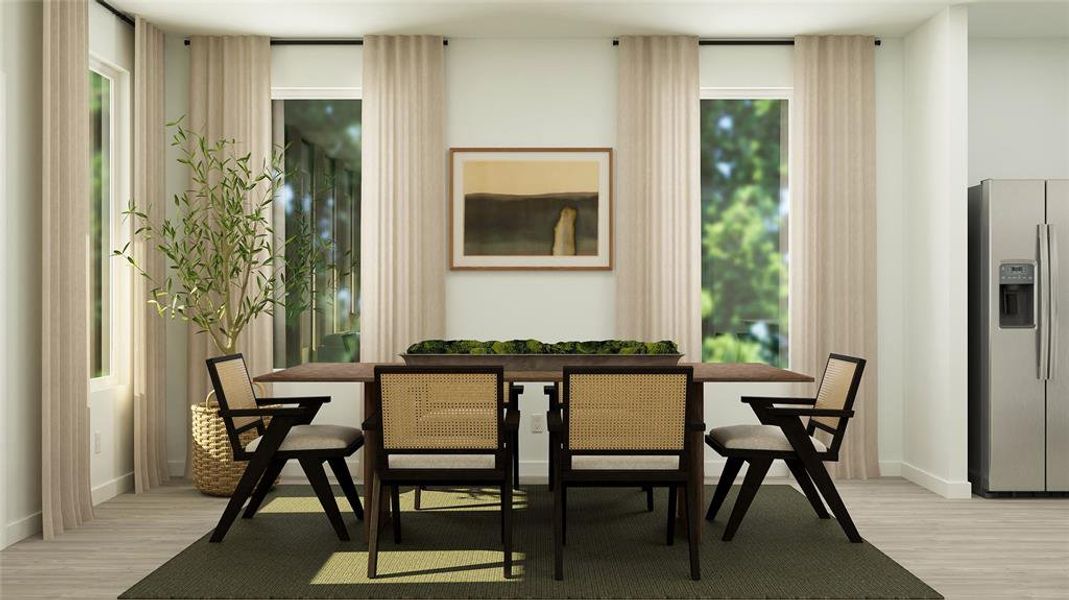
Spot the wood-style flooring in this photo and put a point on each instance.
(966, 549)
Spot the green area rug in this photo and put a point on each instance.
(451, 549)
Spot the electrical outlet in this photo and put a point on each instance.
(538, 424)
(97, 445)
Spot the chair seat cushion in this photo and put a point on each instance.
(757, 437)
(622, 462)
(441, 461)
(314, 437)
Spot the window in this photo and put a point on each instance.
(321, 195)
(101, 160)
(744, 229)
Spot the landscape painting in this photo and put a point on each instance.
(531, 208)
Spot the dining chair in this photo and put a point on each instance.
(622, 427)
(783, 435)
(288, 436)
(440, 426)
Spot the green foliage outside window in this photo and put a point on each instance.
(744, 275)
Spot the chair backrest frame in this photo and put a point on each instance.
(839, 430)
(566, 403)
(233, 430)
(383, 453)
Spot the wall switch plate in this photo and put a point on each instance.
(97, 446)
(538, 424)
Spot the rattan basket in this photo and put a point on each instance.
(215, 472)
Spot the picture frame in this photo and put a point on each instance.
(530, 209)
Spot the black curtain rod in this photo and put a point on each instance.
(741, 42)
(125, 18)
(319, 42)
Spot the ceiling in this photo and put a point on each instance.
(579, 18)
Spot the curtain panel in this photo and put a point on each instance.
(833, 224)
(658, 200)
(230, 97)
(403, 216)
(66, 496)
(149, 343)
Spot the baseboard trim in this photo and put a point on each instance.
(177, 468)
(16, 531)
(108, 490)
(943, 487)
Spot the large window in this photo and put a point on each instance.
(744, 229)
(101, 160)
(321, 197)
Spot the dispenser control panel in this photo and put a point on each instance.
(1017, 297)
(1017, 273)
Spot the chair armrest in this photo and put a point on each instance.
(695, 426)
(554, 422)
(263, 411)
(809, 412)
(767, 400)
(514, 394)
(372, 423)
(551, 392)
(512, 420)
(302, 400)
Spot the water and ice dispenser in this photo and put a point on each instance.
(1016, 295)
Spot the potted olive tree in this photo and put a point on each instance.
(225, 267)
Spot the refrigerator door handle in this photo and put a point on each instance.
(1052, 300)
(1043, 240)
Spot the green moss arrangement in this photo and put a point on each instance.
(537, 347)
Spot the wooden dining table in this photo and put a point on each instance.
(703, 373)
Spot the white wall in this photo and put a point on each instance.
(1018, 108)
(934, 180)
(20, 240)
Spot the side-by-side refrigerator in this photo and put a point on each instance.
(1018, 341)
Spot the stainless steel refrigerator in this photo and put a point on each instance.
(1018, 343)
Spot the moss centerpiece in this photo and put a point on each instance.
(533, 355)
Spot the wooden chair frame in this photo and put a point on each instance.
(806, 464)
(265, 464)
(564, 477)
(384, 475)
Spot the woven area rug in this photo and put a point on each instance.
(450, 549)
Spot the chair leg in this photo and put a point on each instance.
(506, 518)
(395, 507)
(823, 481)
(516, 460)
(558, 533)
(266, 481)
(750, 484)
(552, 462)
(313, 468)
(693, 540)
(253, 471)
(804, 482)
(649, 497)
(373, 533)
(727, 478)
(672, 492)
(417, 497)
(345, 480)
(563, 514)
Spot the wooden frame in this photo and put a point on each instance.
(608, 205)
(804, 461)
(265, 464)
(383, 474)
(563, 476)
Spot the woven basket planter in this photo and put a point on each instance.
(215, 472)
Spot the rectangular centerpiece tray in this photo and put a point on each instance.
(542, 362)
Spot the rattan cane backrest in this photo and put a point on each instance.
(440, 410)
(233, 388)
(839, 386)
(634, 410)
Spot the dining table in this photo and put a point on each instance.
(364, 372)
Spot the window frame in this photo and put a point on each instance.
(767, 93)
(120, 173)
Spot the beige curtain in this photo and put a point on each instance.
(66, 497)
(230, 97)
(833, 224)
(403, 216)
(658, 231)
(149, 344)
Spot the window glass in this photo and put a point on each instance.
(100, 91)
(744, 230)
(322, 192)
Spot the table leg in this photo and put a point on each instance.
(368, 458)
(696, 450)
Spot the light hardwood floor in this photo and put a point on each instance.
(972, 548)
